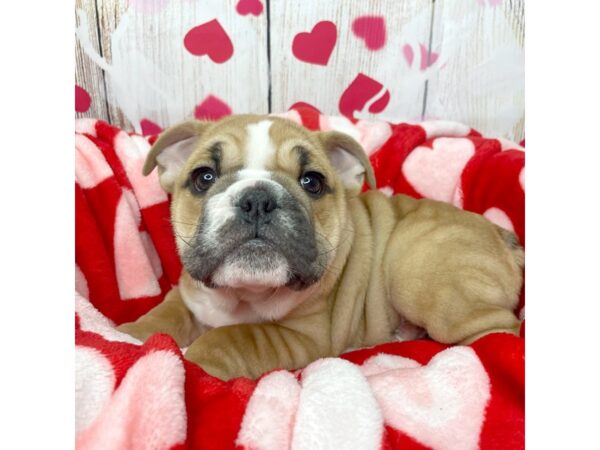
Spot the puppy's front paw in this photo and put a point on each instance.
(212, 362)
(136, 330)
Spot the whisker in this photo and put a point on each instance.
(181, 223)
(184, 239)
(273, 294)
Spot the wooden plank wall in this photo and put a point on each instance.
(481, 84)
(88, 74)
(453, 59)
(322, 86)
(150, 76)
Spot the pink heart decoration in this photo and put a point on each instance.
(359, 92)
(245, 7)
(433, 56)
(435, 172)
(499, 217)
(149, 128)
(83, 101)
(92, 369)
(430, 403)
(212, 108)
(209, 39)
(149, 401)
(136, 274)
(91, 167)
(371, 29)
(316, 47)
(409, 55)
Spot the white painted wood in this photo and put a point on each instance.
(149, 74)
(479, 76)
(407, 23)
(110, 13)
(87, 74)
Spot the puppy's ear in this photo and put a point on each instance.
(172, 149)
(348, 159)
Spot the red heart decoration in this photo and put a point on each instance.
(371, 29)
(316, 47)
(212, 108)
(309, 115)
(300, 105)
(83, 100)
(149, 128)
(209, 39)
(245, 7)
(380, 104)
(359, 92)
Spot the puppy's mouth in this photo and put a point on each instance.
(255, 264)
(243, 258)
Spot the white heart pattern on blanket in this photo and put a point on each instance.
(91, 168)
(147, 411)
(269, 418)
(369, 133)
(440, 405)
(522, 179)
(324, 420)
(132, 151)
(435, 128)
(92, 368)
(499, 217)
(136, 259)
(378, 364)
(435, 172)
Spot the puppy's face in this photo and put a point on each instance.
(258, 202)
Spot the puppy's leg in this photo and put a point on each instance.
(253, 349)
(452, 320)
(171, 316)
(457, 309)
(454, 274)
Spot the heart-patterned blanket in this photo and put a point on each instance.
(412, 394)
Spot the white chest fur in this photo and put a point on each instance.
(221, 307)
(213, 307)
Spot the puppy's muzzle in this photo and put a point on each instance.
(263, 232)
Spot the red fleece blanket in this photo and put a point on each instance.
(413, 394)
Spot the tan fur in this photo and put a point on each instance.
(449, 271)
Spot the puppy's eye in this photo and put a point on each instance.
(313, 183)
(203, 178)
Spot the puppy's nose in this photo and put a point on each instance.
(256, 205)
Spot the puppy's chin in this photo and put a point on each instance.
(254, 266)
(236, 274)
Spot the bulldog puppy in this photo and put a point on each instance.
(285, 261)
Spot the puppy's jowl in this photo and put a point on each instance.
(286, 262)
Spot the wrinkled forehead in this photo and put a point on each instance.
(260, 144)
